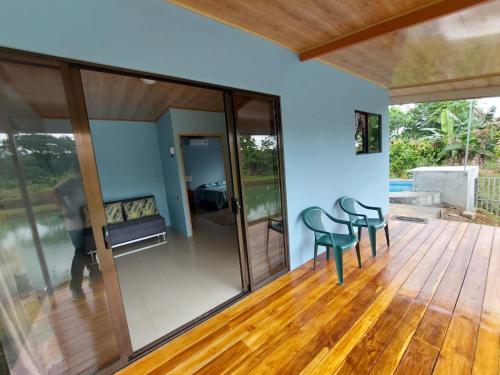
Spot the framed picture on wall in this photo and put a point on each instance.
(368, 132)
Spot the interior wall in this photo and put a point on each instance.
(171, 175)
(128, 161)
(171, 125)
(317, 101)
(204, 163)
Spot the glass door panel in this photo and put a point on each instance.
(167, 187)
(259, 160)
(54, 315)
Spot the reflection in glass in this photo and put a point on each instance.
(260, 174)
(374, 133)
(53, 315)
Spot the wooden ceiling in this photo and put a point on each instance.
(108, 96)
(454, 54)
(119, 97)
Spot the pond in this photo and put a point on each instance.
(261, 201)
(19, 251)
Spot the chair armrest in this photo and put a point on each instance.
(315, 230)
(373, 208)
(355, 214)
(340, 221)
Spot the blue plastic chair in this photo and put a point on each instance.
(339, 242)
(348, 205)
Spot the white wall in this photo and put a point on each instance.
(317, 101)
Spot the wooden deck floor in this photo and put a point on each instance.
(430, 304)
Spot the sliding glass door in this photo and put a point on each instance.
(258, 141)
(82, 254)
(54, 312)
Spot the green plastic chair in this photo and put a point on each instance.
(348, 205)
(312, 218)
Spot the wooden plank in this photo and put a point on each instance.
(310, 324)
(457, 352)
(310, 320)
(488, 339)
(388, 360)
(321, 323)
(362, 323)
(423, 349)
(428, 12)
(427, 275)
(264, 317)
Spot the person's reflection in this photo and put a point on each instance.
(71, 199)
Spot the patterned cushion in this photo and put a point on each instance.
(133, 209)
(114, 212)
(149, 207)
(86, 217)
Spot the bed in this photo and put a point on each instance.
(212, 195)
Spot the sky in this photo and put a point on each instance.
(483, 103)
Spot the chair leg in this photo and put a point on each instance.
(328, 253)
(386, 228)
(372, 232)
(358, 254)
(338, 264)
(359, 233)
(315, 254)
(267, 241)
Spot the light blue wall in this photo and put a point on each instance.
(171, 125)
(204, 163)
(171, 176)
(128, 161)
(317, 101)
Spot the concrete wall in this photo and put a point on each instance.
(128, 161)
(455, 184)
(317, 101)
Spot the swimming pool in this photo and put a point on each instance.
(400, 185)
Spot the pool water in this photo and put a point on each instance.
(400, 185)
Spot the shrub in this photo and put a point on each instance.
(412, 153)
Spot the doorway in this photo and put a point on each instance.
(94, 164)
(173, 265)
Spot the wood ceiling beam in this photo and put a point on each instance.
(428, 12)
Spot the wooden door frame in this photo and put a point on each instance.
(90, 179)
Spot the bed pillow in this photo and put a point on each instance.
(114, 212)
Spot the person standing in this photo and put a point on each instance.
(71, 199)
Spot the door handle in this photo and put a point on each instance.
(235, 205)
(105, 234)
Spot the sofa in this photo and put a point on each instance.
(128, 221)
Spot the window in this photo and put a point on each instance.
(368, 133)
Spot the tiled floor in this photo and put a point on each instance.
(168, 285)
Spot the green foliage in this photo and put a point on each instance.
(258, 159)
(45, 160)
(408, 154)
(443, 125)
